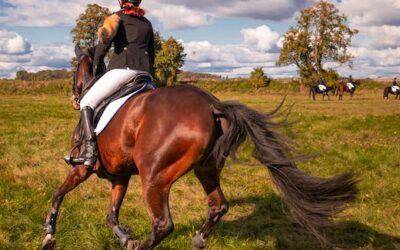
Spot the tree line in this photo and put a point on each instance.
(43, 75)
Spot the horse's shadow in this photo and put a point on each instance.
(269, 226)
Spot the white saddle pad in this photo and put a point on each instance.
(350, 85)
(395, 89)
(112, 109)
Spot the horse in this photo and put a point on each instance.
(316, 90)
(342, 88)
(389, 90)
(162, 134)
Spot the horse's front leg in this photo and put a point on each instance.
(118, 192)
(75, 176)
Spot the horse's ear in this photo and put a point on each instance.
(78, 51)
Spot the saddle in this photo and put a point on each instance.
(142, 81)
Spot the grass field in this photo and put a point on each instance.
(361, 135)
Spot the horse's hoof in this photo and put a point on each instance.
(132, 245)
(198, 242)
(49, 242)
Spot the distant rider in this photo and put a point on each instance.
(395, 86)
(350, 83)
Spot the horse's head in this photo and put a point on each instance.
(83, 73)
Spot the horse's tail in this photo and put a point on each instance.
(312, 201)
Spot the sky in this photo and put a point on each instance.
(227, 38)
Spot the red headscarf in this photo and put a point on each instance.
(132, 10)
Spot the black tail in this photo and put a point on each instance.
(312, 201)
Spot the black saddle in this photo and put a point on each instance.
(142, 81)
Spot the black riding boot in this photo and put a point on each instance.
(89, 155)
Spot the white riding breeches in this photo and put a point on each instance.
(395, 89)
(107, 85)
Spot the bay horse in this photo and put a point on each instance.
(316, 90)
(389, 90)
(162, 134)
(342, 88)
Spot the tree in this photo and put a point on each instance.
(85, 31)
(22, 75)
(321, 35)
(258, 78)
(157, 41)
(169, 59)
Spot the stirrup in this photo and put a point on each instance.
(73, 161)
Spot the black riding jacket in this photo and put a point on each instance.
(133, 45)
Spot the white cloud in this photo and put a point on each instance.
(173, 14)
(232, 60)
(44, 13)
(260, 9)
(12, 43)
(54, 55)
(374, 57)
(261, 38)
(179, 17)
(372, 12)
(16, 53)
(178, 14)
(381, 37)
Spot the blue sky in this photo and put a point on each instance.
(227, 38)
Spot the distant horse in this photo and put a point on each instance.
(162, 134)
(389, 90)
(316, 90)
(342, 88)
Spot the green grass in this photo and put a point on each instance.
(361, 135)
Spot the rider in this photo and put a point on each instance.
(133, 39)
(321, 84)
(395, 86)
(350, 83)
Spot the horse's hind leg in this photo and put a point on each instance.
(118, 192)
(75, 176)
(218, 206)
